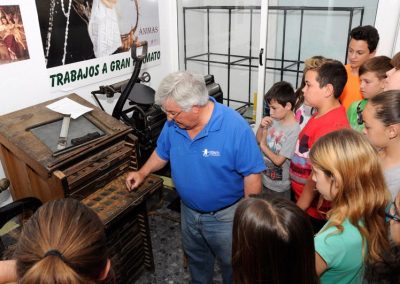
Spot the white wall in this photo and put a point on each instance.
(388, 24)
(27, 83)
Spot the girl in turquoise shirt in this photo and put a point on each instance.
(347, 172)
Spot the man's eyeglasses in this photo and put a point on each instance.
(171, 114)
(392, 212)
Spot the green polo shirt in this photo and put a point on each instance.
(353, 111)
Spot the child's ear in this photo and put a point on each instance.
(104, 273)
(394, 130)
(329, 90)
(288, 106)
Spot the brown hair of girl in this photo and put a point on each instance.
(271, 235)
(63, 242)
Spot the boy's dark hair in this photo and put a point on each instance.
(282, 92)
(332, 72)
(378, 65)
(368, 34)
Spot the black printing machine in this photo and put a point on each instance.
(136, 108)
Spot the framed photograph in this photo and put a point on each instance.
(13, 45)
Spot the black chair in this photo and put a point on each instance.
(24, 207)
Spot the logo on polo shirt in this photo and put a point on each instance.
(210, 153)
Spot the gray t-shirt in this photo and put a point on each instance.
(281, 139)
(392, 177)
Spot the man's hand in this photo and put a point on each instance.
(134, 180)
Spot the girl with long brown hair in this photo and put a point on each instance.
(272, 243)
(347, 172)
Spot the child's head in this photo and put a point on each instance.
(382, 119)
(325, 81)
(63, 242)
(373, 74)
(362, 45)
(392, 81)
(334, 155)
(280, 99)
(269, 235)
(314, 62)
(347, 171)
(309, 63)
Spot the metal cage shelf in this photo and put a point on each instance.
(252, 60)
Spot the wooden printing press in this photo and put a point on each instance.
(93, 172)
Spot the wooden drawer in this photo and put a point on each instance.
(100, 181)
(113, 198)
(85, 177)
(98, 167)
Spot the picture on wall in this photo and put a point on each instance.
(13, 46)
(78, 30)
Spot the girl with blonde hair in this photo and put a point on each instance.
(347, 172)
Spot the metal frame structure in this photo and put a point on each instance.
(286, 65)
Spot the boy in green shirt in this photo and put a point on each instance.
(372, 75)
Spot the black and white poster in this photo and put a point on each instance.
(96, 33)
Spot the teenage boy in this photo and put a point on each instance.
(362, 46)
(323, 85)
(277, 135)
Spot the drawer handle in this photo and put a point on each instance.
(104, 167)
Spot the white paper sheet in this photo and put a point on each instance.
(69, 107)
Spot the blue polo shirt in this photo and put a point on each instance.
(208, 171)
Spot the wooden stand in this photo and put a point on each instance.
(94, 173)
(34, 170)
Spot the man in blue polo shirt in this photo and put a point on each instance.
(215, 162)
